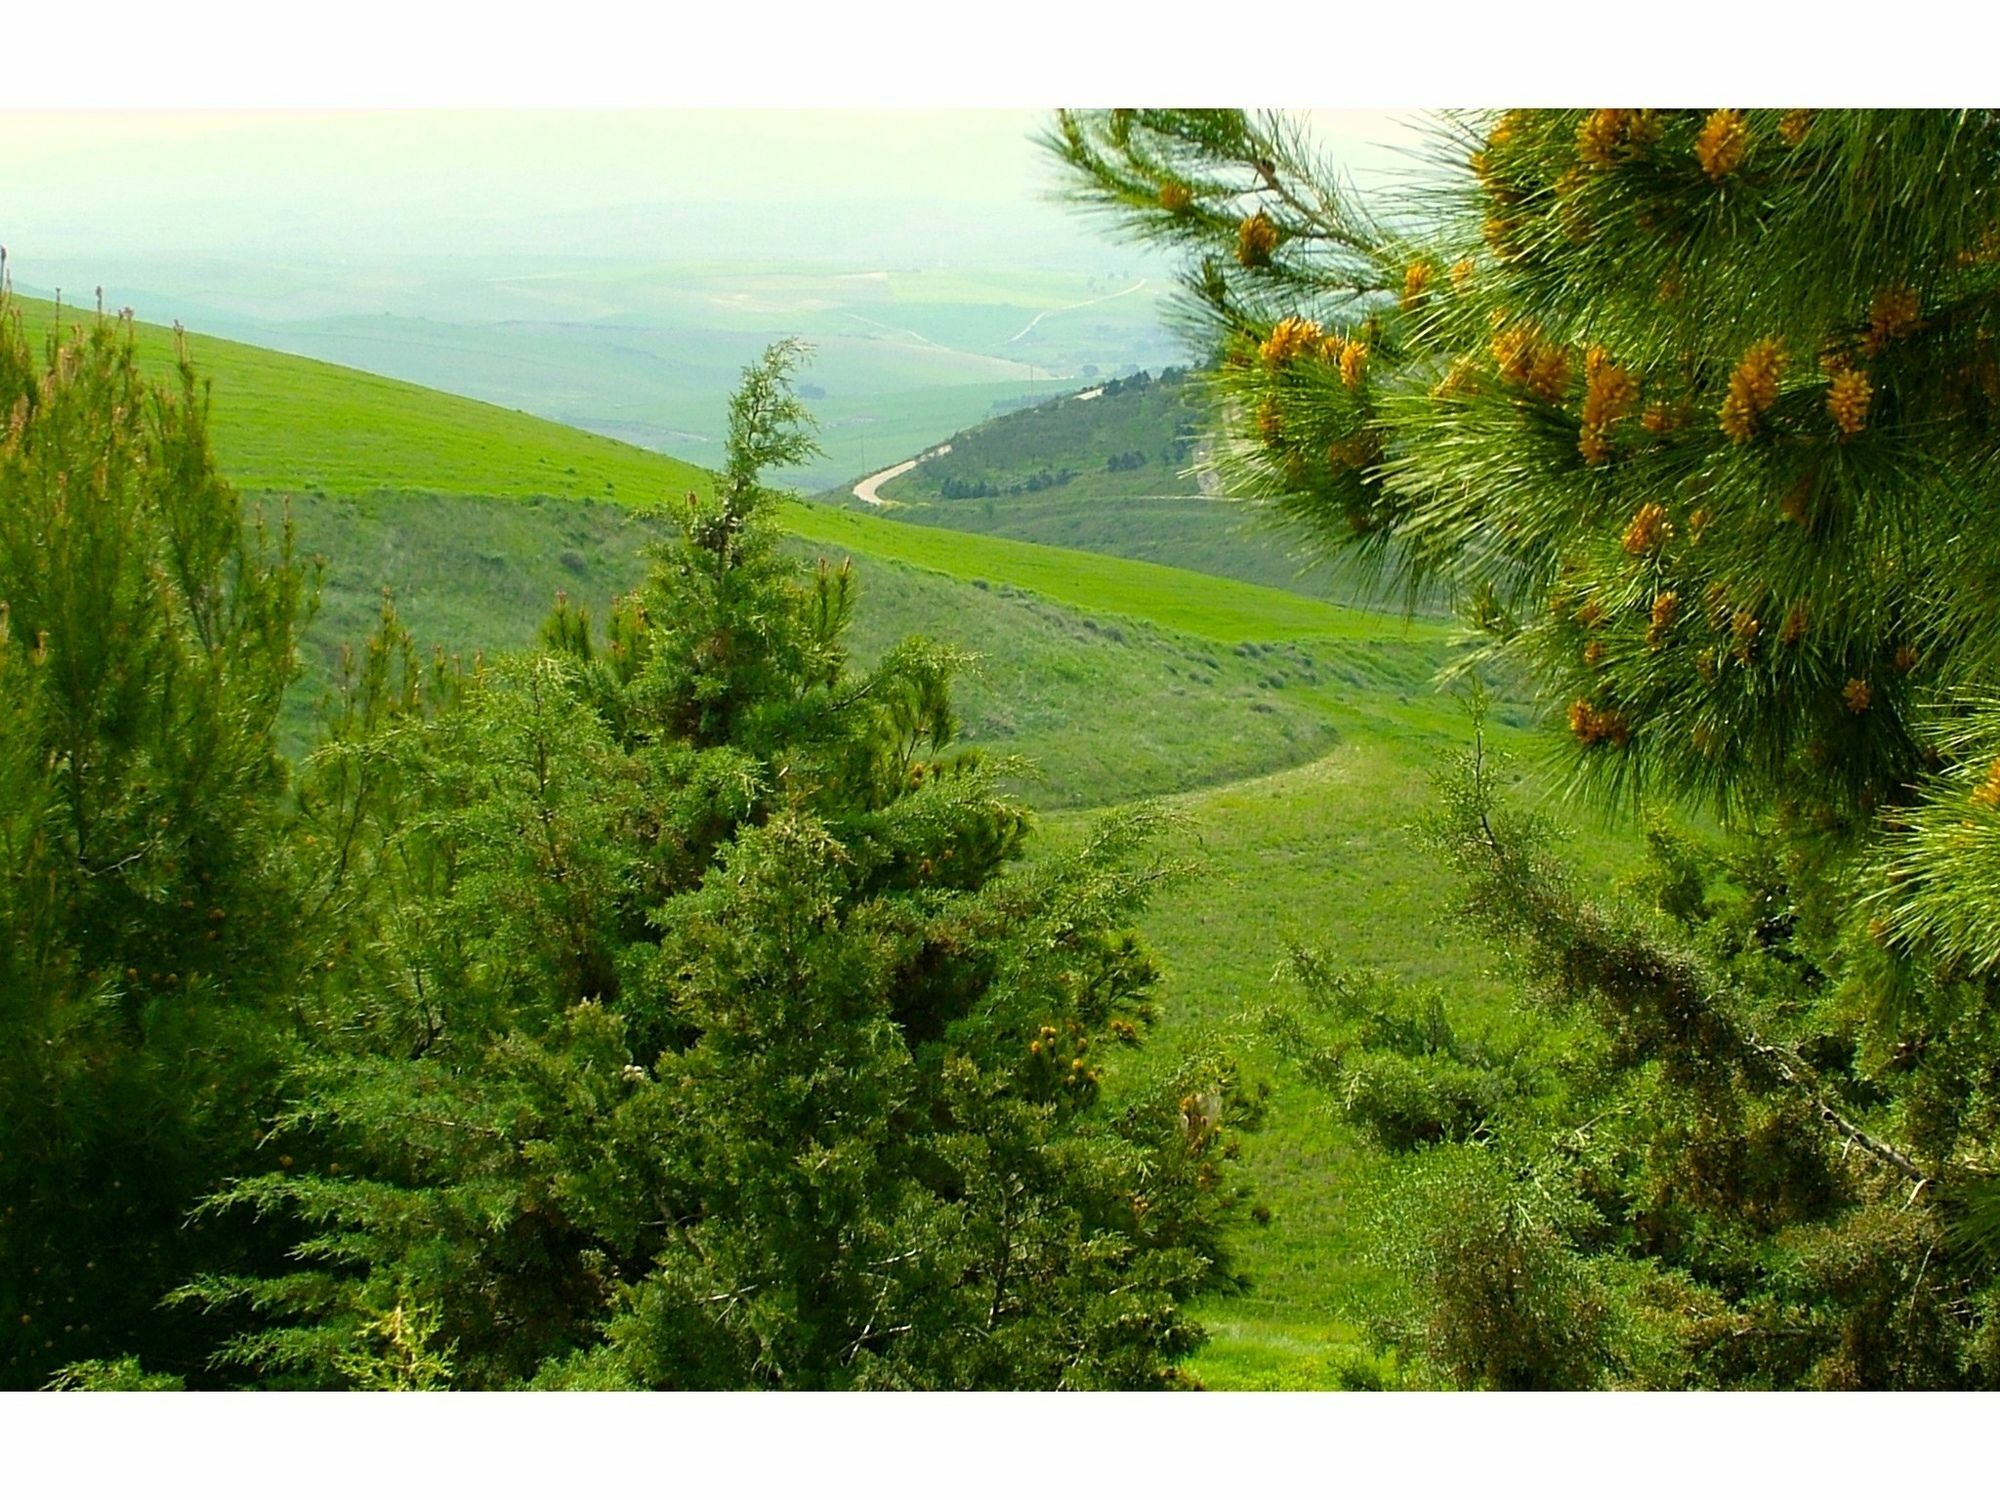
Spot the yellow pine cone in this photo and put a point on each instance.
(1592, 725)
(1609, 392)
(1666, 607)
(1256, 238)
(1526, 359)
(1601, 134)
(1415, 280)
(1291, 338)
(1847, 400)
(1892, 312)
(1721, 144)
(1987, 793)
(1649, 530)
(1753, 386)
(1353, 365)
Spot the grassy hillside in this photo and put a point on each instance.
(1108, 472)
(1104, 708)
(640, 348)
(1219, 537)
(290, 426)
(1126, 437)
(1220, 609)
(284, 423)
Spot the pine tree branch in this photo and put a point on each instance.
(1794, 1070)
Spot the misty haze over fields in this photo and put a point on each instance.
(614, 271)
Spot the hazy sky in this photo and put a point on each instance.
(305, 188)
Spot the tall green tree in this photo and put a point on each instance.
(1693, 412)
(705, 1027)
(147, 631)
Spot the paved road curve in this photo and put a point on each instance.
(866, 489)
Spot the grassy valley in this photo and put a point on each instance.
(1103, 706)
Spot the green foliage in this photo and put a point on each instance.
(112, 1375)
(1690, 1180)
(1395, 1062)
(1692, 411)
(146, 639)
(1507, 1301)
(691, 1021)
(1689, 408)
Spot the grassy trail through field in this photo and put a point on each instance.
(1323, 854)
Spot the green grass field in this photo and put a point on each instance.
(1293, 734)
(1324, 854)
(1219, 609)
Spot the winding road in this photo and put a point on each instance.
(866, 489)
(1092, 302)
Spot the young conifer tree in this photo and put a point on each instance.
(1694, 413)
(146, 637)
(716, 1035)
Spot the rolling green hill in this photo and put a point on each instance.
(638, 346)
(1106, 708)
(1135, 436)
(281, 423)
(307, 430)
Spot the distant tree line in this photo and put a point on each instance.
(953, 488)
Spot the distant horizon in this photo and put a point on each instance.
(615, 269)
(319, 188)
